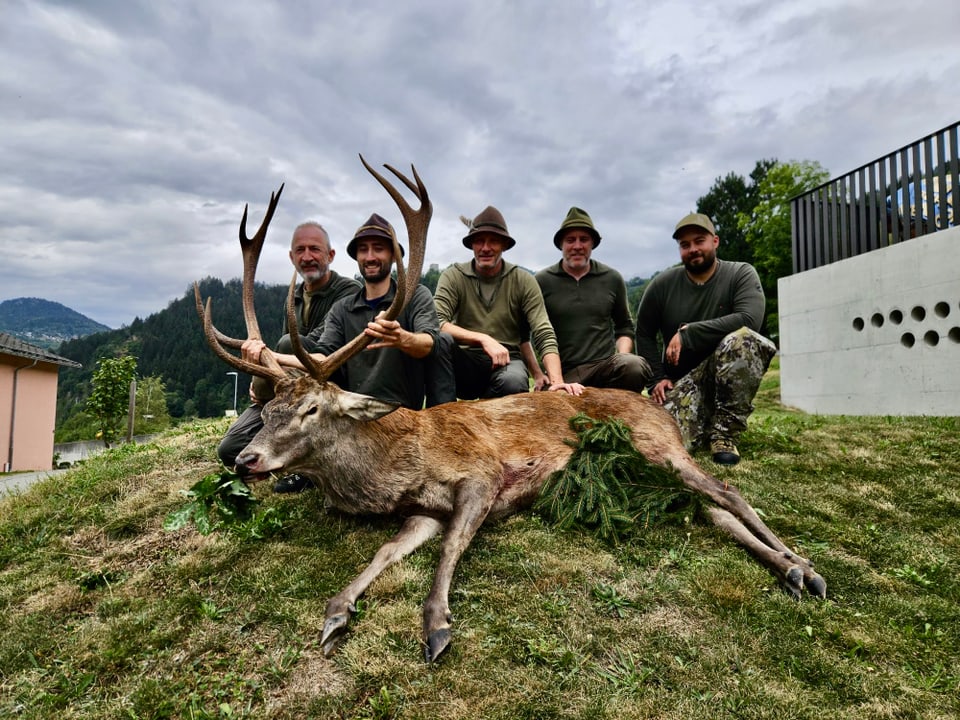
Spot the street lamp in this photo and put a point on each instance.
(234, 392)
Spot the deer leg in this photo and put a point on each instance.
(415, 532)
(793, 571)
(749, 523)
(472, 504)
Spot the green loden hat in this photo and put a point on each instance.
(576, 218)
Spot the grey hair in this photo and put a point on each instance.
(314, 224)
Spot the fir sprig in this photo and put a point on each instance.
(608, 487)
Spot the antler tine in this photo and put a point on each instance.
(251, 248)
(311, 365)
(325, 368)
(221, 338)
(270, 369)
(417, 222)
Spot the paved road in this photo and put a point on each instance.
(18, 482)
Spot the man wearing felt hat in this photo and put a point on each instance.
(587, 305)
(490, 306)
(708, 313)
(403, 364)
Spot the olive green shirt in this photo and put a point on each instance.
(513, 312)
(588, 315)
(728, 301)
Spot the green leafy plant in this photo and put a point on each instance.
(608, 487)
(110, 398)
(224, 501)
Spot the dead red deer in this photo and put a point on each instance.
(452, 467)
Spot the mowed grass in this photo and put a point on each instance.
(105, 615)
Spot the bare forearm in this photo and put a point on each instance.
(551, 362)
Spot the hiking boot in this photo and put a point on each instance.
(724, 452)
(292, 484)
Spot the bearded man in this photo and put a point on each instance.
(406, 364)
(321, 287)
(708, 313)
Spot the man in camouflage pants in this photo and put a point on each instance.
(708, 313)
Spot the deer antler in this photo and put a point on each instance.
(417, 222)
(251, 247)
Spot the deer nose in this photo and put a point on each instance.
(248, 460)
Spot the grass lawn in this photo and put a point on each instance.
(106, 615)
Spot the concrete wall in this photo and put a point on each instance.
(73, 452)
(877, 334)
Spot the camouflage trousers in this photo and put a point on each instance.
(715, 399)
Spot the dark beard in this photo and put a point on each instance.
(381, 274)
(704, 267)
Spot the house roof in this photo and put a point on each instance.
(9, 345)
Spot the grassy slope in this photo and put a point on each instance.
(104, 615)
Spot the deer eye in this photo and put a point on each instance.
(312, 411)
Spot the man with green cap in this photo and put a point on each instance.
(489, 306)
(587, 305)
(708, 313)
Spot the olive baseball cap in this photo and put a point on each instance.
(695, 220)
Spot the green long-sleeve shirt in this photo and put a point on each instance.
(731, 299)
(515, 307)
(588, 315)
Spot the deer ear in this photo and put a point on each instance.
(363, 407)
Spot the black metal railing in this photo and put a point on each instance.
(910, 192)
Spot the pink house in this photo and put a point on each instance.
(28, 404)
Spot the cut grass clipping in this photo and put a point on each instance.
(609, 489)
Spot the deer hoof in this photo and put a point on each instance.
(816, 585)
(793, 582)
(334, 628)
(437, 642)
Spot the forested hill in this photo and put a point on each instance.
(44, 323)
(170, 344)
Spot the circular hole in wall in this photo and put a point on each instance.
(954, 334)
(942, 309)
(876, 320)
(858, 324)
(918, 313)
(896, 317)
(907, 340)
(931, 338)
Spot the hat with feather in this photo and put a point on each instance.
(488, 221)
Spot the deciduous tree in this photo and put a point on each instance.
(110, 397)
(766, 227)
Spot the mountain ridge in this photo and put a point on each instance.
(45, 323)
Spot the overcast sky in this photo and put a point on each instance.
(134, 131)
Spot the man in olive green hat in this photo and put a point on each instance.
(708, 313)
(489, 306)
(587, 305)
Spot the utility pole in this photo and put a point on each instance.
(234, 392)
